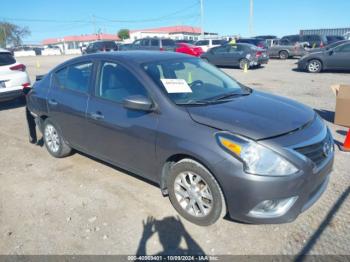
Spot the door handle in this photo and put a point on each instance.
(97, 116)
(53, 102)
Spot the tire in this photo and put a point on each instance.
(54, 141)
(243, 62)
(283, 55)
(186, 179)
(314, 66)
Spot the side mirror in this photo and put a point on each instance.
(138, 102)
(331, 52)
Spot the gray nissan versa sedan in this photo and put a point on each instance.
(213, 145)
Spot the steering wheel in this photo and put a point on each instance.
(196, 83)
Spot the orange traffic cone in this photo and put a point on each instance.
(346, 146)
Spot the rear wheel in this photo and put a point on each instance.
(195, 193)
(54, 141)
(283, 55)
(244, 63)
(314, 66)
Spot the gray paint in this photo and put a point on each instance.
(142, 142)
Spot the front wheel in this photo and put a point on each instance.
(314, 66)
(195, 193)
(54, 141)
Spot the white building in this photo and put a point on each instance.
(181, 32)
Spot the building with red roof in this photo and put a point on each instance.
(72, 44)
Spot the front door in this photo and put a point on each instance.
(122, 136)
(339, 58)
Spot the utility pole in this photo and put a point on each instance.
(94, 23)
(202, 18)
(251, 17)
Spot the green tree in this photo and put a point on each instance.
(11, 34)
(123, 34)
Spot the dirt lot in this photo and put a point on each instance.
(78, 205)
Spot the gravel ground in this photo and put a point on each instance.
(78, 205)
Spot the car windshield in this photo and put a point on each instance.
(193, 81)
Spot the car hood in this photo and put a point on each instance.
(257, 116)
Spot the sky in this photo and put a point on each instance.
(60, 18)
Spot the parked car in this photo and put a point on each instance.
(337, 58)
(13, 77)
(154, 44)
(188, 49)
(206, 44)
(101, 46)
(211, 143)
(253, 41)
(312, 41)
(284, 49)
(240, 55)
(266, 37)
(327, 47)
(334, 38)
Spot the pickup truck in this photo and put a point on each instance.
(284, 49)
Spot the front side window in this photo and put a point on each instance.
(220, 50)
(343, 48)
(75, 77)
(117, 83)
(188, 81)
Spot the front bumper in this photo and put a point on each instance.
(243, 192)
(302, 65)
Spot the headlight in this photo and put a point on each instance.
(257, 159)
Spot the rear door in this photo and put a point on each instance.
(234, 54)
(67, 101)
(118, 135)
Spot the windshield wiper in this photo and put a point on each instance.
(227, 95)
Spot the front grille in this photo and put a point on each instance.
(318, 152)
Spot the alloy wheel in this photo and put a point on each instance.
(193, 194)
(314, 66)
(52, 138)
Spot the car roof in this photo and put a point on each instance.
(140, 57)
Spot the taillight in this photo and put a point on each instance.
(26, 85)
(19, 67)
(321, 44)
(258, 53)
(161, 49)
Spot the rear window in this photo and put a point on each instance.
(6, 59)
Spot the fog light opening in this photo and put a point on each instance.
(272, 208)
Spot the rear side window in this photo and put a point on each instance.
(168, 42)
(6, 59)
(117, 83)
(75, 77)
(202, 42)
(154, 42)
(217, 42)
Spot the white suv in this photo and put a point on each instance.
(206, 44)
(13, 77)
